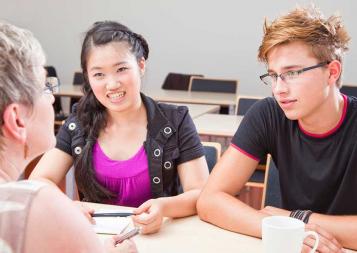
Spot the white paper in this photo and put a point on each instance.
(110, 225)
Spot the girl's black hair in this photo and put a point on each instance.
(91, 113)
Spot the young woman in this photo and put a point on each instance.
(34, 216)
(126, 148)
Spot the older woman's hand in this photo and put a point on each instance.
(87, 211)
(127, 246)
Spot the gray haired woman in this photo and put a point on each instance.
(34, 216)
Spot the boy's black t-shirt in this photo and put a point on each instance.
(318, 173)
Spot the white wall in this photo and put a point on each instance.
(214, 38)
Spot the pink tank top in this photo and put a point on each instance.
(129, 179)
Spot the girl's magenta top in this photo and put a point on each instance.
(129, 179)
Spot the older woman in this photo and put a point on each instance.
(34, 216)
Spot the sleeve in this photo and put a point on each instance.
(189, 142)
(64, 138)
(251, 138)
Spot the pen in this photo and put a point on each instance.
(128, 235)
(112, 214)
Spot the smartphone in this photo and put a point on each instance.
(128, 235)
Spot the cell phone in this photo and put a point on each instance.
(128, 235)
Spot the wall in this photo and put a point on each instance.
(214, 38)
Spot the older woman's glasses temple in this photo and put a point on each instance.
(52, 85)
(269, 79)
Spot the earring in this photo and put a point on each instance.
(26, 148)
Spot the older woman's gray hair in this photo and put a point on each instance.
(21, 67)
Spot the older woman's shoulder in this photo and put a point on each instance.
(55, 224)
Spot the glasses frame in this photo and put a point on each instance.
(294, 73)
(52, 85)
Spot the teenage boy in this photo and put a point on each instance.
(308, 127)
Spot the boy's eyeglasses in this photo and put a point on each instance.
(271, 79)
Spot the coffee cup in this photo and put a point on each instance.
(282, 234)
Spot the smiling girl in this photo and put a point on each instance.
(126, 148)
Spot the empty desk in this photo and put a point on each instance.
(217, 124)
(197, 110)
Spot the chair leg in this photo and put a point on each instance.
(251, 196)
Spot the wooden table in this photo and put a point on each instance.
(73, 91)
(172, 96)
(217, 124)
(197, 110)
(193, 97)
(190, 234)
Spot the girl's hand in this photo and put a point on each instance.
(149, 216)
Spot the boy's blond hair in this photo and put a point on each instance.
(327, 38)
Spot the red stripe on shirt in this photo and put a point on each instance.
(245, 152)
(335, 128)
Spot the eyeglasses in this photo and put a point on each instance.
(271, 79)
(52, 85)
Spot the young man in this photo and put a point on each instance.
(309, 128)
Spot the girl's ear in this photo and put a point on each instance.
(14, 122)
(142, 66)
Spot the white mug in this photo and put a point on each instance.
(282, 234)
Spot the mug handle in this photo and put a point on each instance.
(314, 234)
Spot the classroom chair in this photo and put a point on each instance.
(349, 90)
(212, 153)
(271, 193)
(60, 116)
(178, 81)
(213, 85)
(78, 79)
(244, 103)
(51, 71)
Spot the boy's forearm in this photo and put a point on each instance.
(229, 213)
